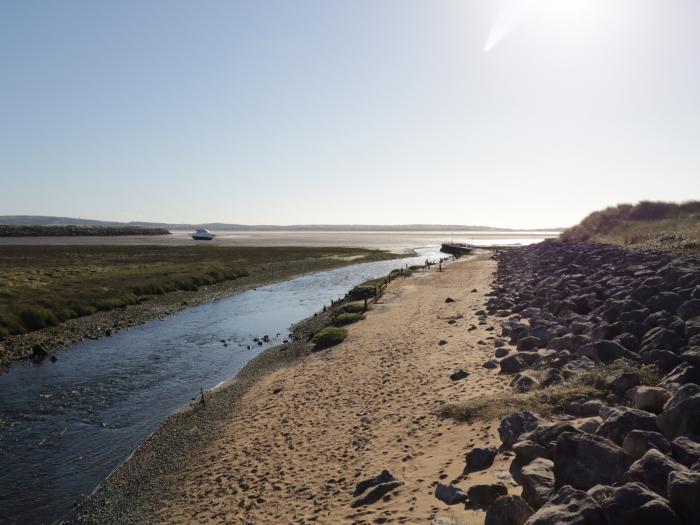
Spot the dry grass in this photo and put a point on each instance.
(547, 401)
(648, 225)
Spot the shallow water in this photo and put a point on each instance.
(65, 425)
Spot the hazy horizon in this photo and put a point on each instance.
(511, 114)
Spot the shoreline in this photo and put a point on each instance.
(150, 476)
(113, 500)
(17, 349)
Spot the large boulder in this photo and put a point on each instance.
(482, 496)
(585, 460)
(524, 382)
(664, 360)
(689, 309)
(512, 364)
(619, 422)
(651, 398)
(527, 451)
(684, 495)
(638, 442)
(569, 507)
(605, 351)
(635, 504)
(652, 469)
(692, 356)
(529, 343)
(685, 451)
(537, 479)
(683, 374)
(667, 301)
(622, 380)
(514, 426)
(681, 414)
(508, 510)
(661, 338)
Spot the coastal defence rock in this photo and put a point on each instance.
(450, 494)
(635, 504)
(585, 460)
(508, 510)
(569, 506)
(480, 458)
(653, 469)
(514, 426)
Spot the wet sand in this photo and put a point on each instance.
(302, 437)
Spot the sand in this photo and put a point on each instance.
(304, 436)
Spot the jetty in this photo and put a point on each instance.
(456, 248)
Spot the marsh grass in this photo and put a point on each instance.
(348, 318)
(547, 401)
(42, 286)
(329, 336)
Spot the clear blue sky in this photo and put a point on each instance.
(519, 113)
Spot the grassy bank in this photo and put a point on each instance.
(70, 230)
(45, 286)
(648, 225)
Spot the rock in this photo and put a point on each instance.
(685, 451)
(515, 425)
(537, 479)
(604, 351)
(547, 435)
(512, 364)
(652, 469)
(584, 460)
(577, 366)
(661, 338)
(569, 507)
(529, 344)
(667, 301)
(681, 375)
(449, 300)
(490, 364)
(689, 309)
(501, 352)
(628, 340)
(526, 451)
(651, 399)
(459, 374)
(450, 494)
(620, 422)
(372, 490)
(692, 356)
(681, 414)
(384, 477)
(590, 426)
(635, 504)
(442, 342)
(684, 495)
(663, 359)
(39, 352)
(484, 495)
(600, 493)
(622, 380)
(480, 458)
(524, 383)
(638, 442)
(551, 377)
(508, 510)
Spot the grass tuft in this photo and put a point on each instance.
(348, 318)
(329, 336)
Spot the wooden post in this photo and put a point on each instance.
(365, 304)
(201, 392)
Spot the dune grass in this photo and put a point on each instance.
(42, 286)
(647, 225)
(547, 401)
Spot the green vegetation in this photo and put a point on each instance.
(353, 308)
(329, 336)
(348, 318)
(547, 401)
(42, 286)
(69, 230)
(648, 225)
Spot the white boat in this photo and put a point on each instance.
(203, 235)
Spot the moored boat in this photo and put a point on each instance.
(203, 235)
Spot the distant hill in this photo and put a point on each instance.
(39, 220)
(72, 230)
(663, 226)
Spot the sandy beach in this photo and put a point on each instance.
(304, 436)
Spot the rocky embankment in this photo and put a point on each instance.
(11, 230)
(632, 455)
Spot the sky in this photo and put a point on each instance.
(508, 113)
